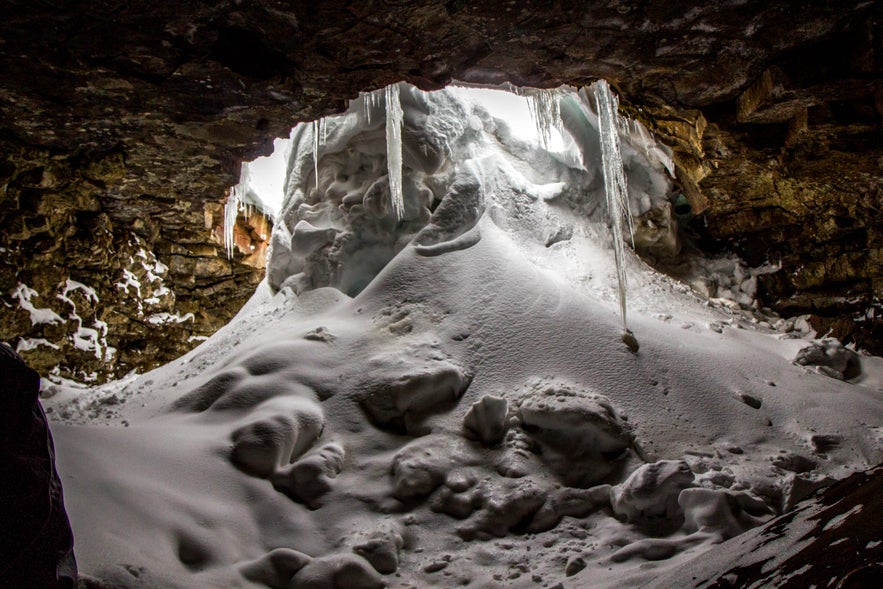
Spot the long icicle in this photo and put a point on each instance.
(394, 117)
(614, 183)
(316, 152)
(231, 210)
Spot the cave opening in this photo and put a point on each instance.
(433, 388)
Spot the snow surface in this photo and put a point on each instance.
(449, 402)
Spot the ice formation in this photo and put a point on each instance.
(545, 112)
(394, 117)
(403, 165)
(231, 210)
(315, 134)
(443, 399)
(615, 187)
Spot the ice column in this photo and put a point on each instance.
(394, 116)
(545, 112)
(614, 182)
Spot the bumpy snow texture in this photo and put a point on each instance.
(441, 395)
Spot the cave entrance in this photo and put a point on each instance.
(348, 192)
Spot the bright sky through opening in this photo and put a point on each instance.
(266, 175)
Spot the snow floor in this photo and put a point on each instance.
(469, 419)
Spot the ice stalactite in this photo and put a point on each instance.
(614, 183)
(394, 117)
(231, 210)
(371, 102)
(316, 124)
(545, 112)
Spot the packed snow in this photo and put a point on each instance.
(442, 396)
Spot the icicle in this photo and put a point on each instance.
(316, 152)
(646, 140)
(614, 182)
(371, 101)
(231, 210)
(394, 116)
(545, 112)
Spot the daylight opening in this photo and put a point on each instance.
(348, 192)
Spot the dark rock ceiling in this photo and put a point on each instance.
(123, 123)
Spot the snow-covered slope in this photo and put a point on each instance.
(468, 414)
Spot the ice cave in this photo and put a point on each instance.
(484, 345)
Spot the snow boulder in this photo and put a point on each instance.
(488, 419)
(421, 467)
(400, 391)
(581, 435)
(338, 571)
(276, 568)
(650, 494)
(723, 513)
(308, 479)
(830, 357)
(276, 433)
(381, 547)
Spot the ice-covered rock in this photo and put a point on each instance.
(401, 390)
(488, 418)
(459, 496)
(798, 486)
(381, 547)
(793, 462)
(337, 571)
(422, 465)
(723, 513)
(830, 357)
(569, 502)
(275, 434)
(580, 433)
(276, 568)
(504, 505)
(519, 455)
(651, 492)
(656, 233)
(308, 479)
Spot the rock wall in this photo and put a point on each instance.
(122, 125)
(99, 286)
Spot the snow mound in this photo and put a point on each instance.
(580, 434)
(445, 399)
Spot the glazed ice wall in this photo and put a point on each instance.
(459, 160)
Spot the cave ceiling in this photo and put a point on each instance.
(122, 124)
